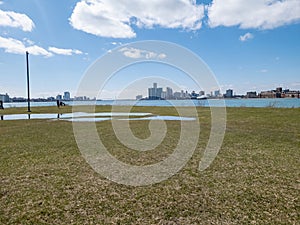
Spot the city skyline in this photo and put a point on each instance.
(243, 54)
(169, 94)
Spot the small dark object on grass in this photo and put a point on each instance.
(60, 103)
(1, 104)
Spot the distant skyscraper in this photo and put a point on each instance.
(67, 96)
(154, 93)
(229, 93)
(169, 93)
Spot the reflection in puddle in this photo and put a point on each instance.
(94, 117)
(28, 116)
(87, 119)
(163, 118)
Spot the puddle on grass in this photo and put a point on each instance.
(177, 118)
(87, 119)
(28, 116)
(94, 117)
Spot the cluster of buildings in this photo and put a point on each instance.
(279, 93)
(65, 97)
(157, 93)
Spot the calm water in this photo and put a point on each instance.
(94, 117)
(277, 103)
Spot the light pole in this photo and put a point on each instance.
(28, 90)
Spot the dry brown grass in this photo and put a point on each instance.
(254, 180)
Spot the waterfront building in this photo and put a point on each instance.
(177, 95)
(67, 96)
(251, 94)
(169, 93)
(217, 93)
(154, 93)
(201, 93)
(4, 98)
(267, 94)
(139, 97)
(59, 97)
(290, 94)
(50, 99)
(229, 93)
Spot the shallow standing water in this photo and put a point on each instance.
(94, 117)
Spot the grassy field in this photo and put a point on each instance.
(255, 178)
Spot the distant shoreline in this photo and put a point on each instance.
(213, 102)
(187, 99)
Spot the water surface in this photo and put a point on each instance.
(257, 102)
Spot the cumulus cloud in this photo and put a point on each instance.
(261, 14)
(17, 20)
(62, 51)
(246, 37)
(141, 54)
(14, 46)
(116, 18)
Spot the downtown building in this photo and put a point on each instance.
(155, 93)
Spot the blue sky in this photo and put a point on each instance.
(249, 45)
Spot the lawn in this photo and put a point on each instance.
(255, 178)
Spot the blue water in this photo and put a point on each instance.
(277, 103)
(94, 117)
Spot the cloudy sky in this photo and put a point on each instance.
(249, 45)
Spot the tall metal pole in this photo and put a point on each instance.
(28, 90)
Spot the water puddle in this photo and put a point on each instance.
(176, 118)
(94, 117)
(29, 116)
(87, 119)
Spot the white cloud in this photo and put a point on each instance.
(246, 37)
(14, 46)
(263, 71)
(261, 14)
(37, 50)
(116, 43)
(141, 54)
(114, 18)
(28, 41)
(62, 51)
(1, 2)
(17, 20)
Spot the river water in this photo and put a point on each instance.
(276, 103)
